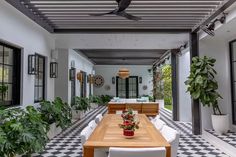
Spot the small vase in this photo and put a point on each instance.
(128, 133)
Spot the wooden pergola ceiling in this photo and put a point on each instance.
(56, 15)
(123, 56)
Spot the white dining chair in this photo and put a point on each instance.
(135, 112)
(92, 125)
(153, 120)
(119, 112)
(85, 133)
(98, 118)
(137, 152)
(159, 124)
(172, 137)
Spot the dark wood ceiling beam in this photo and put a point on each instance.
(123, 58)
(22, 8)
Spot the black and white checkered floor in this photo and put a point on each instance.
(67, 144)
(229, 137)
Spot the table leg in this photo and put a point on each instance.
(88, 152)
(168, 151)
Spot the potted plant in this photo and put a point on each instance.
(203, 87)
(22, 132)
(94, 101)
(57, 114)
(129, 123)
(80, 106)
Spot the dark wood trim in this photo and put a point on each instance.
(102, 31)
(232, 81)
(215, 14)
(175, 111)
(196, 108)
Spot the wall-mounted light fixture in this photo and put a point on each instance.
(72, 74)
(140, 80)
(53, 70)
(80, 76)
(32, 65)
(113, 80)
(210, 28)
(90, 79)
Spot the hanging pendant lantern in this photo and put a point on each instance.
(123, 73)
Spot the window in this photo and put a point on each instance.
(10, 66)
(233, 77)
(39, 85)
(127, 88)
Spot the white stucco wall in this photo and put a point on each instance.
(184, 98)
(109, 71)
(16, 29)
(81, 63)
(219, 50)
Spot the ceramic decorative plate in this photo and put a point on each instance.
(98, 81)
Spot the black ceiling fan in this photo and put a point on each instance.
(120, 11)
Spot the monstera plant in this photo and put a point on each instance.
(202, 86)
(22, 132)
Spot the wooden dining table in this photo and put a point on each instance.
(108, 134)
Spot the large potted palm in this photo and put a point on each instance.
(202, 86)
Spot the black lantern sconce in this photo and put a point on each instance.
(113, 80)
(140, 80)
(32, 65)
(72, 74)
(53, 70)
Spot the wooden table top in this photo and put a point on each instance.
(108, 134)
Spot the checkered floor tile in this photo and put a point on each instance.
(229, 137)
(190, 145)
(68, 144)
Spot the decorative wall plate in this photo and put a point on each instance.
(98, 81)
(145, 87)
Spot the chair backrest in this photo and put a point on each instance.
(92, 125)
(172, 137)
(119, 112)
(155, 118)
(85, 133)
(98, 118)
(159, 124)
(137, 152)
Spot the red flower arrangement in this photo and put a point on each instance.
(129, 124)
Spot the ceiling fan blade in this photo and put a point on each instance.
(129, 16)
(102, 14)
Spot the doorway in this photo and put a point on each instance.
(127, 88)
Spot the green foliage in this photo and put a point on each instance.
(3, 91)
(167, 82)
(81, 104)
(22, 132)
(58, 112)
(202, 84)
(105, 99)
(95, 99)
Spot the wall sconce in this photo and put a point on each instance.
(90, 79)
(53, 70)
(140, 80)
(72, 74)
(80, 77)
(113, 80)
(32, 65)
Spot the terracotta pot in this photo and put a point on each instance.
(128, 133)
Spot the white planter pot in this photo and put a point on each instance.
(93, 105)
(76, 114)
(220, 123)
(51, 131)
(161, 103)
